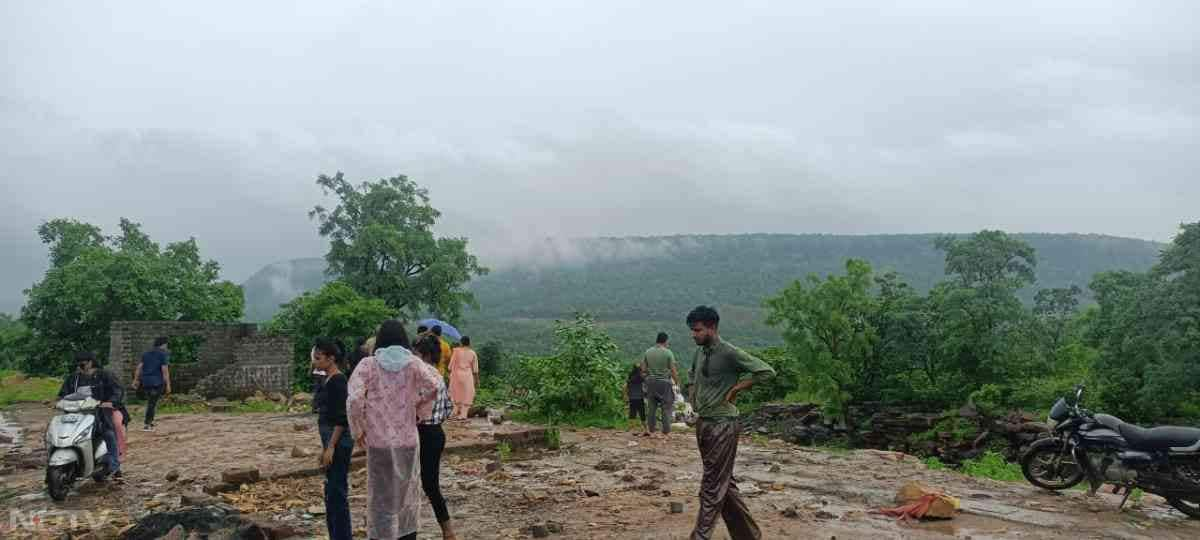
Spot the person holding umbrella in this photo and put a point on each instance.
(444, 361)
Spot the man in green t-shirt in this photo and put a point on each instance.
(658, 368)
(719, 372)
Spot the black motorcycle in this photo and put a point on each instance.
(1103, 449)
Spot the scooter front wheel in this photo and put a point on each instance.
(59, 479)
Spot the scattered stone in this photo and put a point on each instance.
(776, 469)
(298, 452)
(492, 466)
(6, 438)
(301, 397)
(610, 465)
(220, 406)
(194, 498)
(172, 476)
(665, 493)
(241, 476)
(791, 512)
(316, 510)
(676, 508)
(590, 493)
(629, 478)
(539, 531)
(554, 528)
(276, 397)
(821, 514)
(220, 487)
(749, 488)
(534, 495)
(302, 426)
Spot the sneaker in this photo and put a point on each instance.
(147, 427)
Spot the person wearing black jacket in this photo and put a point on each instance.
(336, 442)
(105, 389)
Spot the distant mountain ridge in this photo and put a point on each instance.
(635, 283)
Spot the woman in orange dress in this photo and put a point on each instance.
(464, 376)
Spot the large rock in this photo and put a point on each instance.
(241, 476)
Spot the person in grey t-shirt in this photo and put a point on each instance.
(658, 365)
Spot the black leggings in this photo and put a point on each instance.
(433, 441)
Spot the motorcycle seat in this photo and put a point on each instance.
(1157, 438)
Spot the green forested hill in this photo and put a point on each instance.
(638, 286)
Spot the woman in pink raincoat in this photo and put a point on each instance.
(385, 393)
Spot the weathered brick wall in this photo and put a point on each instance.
(240, 381)
(224, 348)
(263, 350)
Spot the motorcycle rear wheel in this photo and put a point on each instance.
(59, 480)
(1045, 466)
(1190, 506)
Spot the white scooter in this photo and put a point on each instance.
(74, 446)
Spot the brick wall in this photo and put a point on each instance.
(233, 354)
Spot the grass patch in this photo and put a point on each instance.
(989, 465)
(577, 420)
(553, 438)
(15, 387)
(994, 466)
(935, 464)
(836, 445)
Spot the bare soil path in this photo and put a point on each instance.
(600, 484)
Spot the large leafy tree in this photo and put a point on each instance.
(382, 245)
(94, 280)
(335, 311)
(1148, 332)
(828, 322)
(978, 307)
(1055, 309)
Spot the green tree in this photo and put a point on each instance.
(1148, 333)
(583, 377)
(95, 280)
(14, 342)
(978, 309)
(1055, 308)
(492, 360)
(382, 245)
(335, 311)
(828, 322)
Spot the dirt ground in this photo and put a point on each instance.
(600, 484)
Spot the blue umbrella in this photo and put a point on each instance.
(447, 330)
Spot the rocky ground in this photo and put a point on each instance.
(599, 484)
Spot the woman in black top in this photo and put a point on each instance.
(335, 438)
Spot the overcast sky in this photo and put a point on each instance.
(568, 119)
